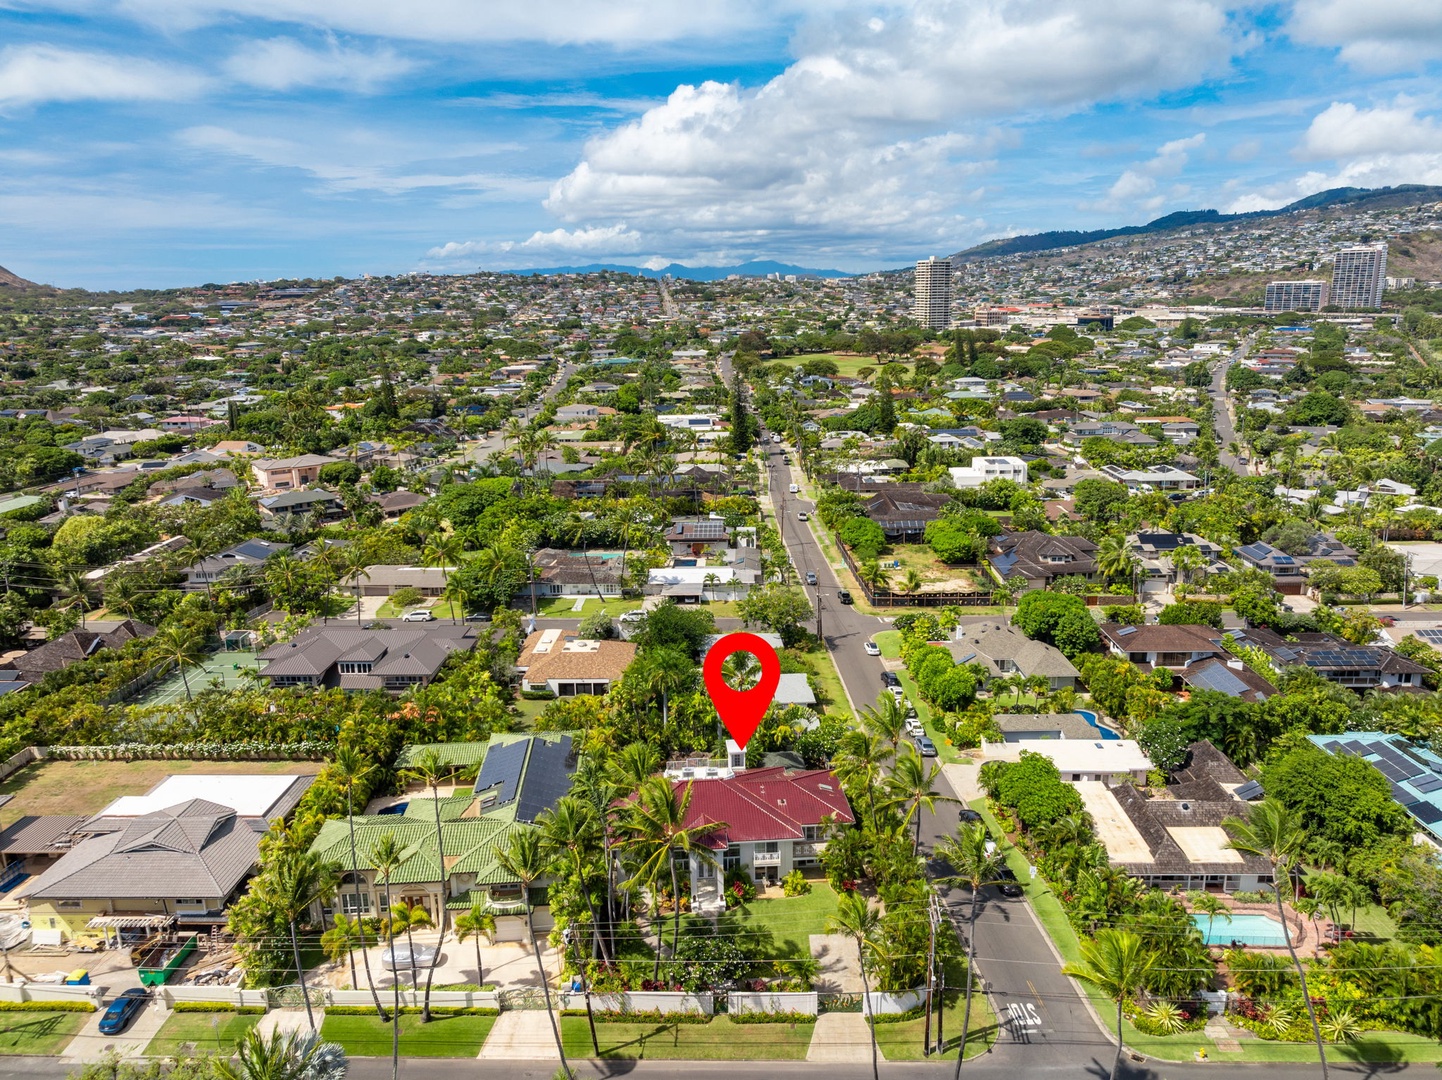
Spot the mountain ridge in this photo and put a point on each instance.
(1060, 238)
(754, 268)
(9, 280)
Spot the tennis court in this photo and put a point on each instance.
(224, 669)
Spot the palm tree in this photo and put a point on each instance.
(887, 718)
(475, 924)
(742, 671)
(340, 941)
(911, 583)
(656, 829)
(858, 920)
(913, 785)
(282, 1056)
(663, 672)
(976, 863)
(443, 550)
(1271, 831)
(386, 857)
(1116, 963)
(1211, 906)
(429, 769)
(573, 528)
(180, 646)
(633, 764)
(350, 769)
(294, 882)
(524, 858)
(859, 763)
(79, 588)
(410, 916)
(1115, 558)
(571, 831)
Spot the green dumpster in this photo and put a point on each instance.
(161, 961)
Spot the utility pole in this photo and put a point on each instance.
(930, 972)
(819, 636)
(941, 990)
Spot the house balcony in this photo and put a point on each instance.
(766, 858)
(808, 849)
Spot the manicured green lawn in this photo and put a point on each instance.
(444, 1036)
(558, 607)
(902, 1041)
(39, 1033)
(529, 710)
(720, 1040)
(833, 692)
(847, 365)
(793, 919)
(890, 643)
(1372, 921)
(198, 1029)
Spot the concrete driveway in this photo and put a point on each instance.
(90, 1045)
(507, 965)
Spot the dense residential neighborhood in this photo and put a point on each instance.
(353, 633)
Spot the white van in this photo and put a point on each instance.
(795, 489)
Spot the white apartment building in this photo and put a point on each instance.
(933, 293)
(983, 469)
(1296, 295)
(1358, 277)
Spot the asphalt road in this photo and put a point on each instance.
(1221, 415)
(844, 628)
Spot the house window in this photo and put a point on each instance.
(190, 903)
(811, 832)
(767, 847)
(349, 906)
(68, 905)
(705, 871)
(731, 859)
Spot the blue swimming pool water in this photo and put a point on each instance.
(1091, 718)
(1261, 930)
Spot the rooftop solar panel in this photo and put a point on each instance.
(1390, 771)
(548, 777)
(1250, 790)
(1352, 746)
(1425, 812)
(1217, 677)
(1401, 794)
(502, 768)
(1434, 636)
(1407, 768)
(1427, 783)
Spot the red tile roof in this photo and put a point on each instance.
(765, 804)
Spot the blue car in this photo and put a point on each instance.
(122, 1010)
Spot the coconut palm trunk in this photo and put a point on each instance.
(868, 1005)
(441, 921)
(970, 967)
(300, 975)
(360, 919)
(1277, 874)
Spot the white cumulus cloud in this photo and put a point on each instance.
(871, 132)
(1372, 35)
(1137, 187)
(33, 74)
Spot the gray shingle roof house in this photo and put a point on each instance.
(393, 659)
(251, 553)
(1156, 646)
(1361, 667)
(1004, 650)
(1041, 558)
(145, 862)
(75, 646)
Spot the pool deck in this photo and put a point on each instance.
(1306, 934)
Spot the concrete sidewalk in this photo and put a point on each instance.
(841, 1038)
(523, 1034)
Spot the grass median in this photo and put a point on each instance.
(39, 1034)
(444, 1036)
(215, 1032)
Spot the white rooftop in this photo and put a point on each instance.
(1078, 755)
(248, 795)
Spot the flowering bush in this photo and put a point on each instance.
(740, 889)
(795, 884)
(248, 750)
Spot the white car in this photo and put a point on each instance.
(913, 727)
(795, 489)
(872, 649)
(418, 616)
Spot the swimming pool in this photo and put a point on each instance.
(1091, 718)
(1260, 930)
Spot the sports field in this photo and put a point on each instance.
(226, 669)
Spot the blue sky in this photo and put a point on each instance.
(171, 142)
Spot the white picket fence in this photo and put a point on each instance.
(766, 1002)
(451, 999)
(643, 1001)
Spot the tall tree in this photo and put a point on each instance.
(387, 859)
(524, 858)
(479, 922)
(1116, 963)
(290, 885)
(656, 829)
(430, 770)
(913, 785)
(858, 920)
(740, 419)
(976, 863)
(1271, 831)
(350, 770)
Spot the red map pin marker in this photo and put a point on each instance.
(741, 710)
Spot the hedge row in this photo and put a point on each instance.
(642, 1016)
(217, 1007)
(772, 1018)
(47, 1006)
(409, 1010)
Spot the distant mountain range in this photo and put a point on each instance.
(1401, 195)
(758, 268)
